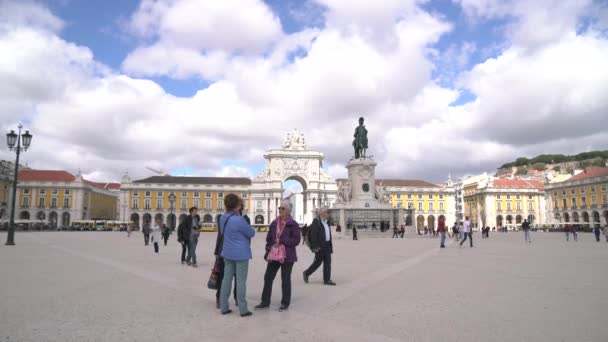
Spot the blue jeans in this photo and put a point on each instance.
(192, 249)
(442, 239)
(240, 268)
(527, 235)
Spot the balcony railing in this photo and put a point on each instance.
(573, 207)
(583, 206)
(41, 206)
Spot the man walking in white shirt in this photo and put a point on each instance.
(466, 230)
(322, 245)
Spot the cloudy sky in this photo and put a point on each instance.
(203, 87)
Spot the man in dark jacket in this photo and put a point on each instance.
(146, 231)
(321, 244)
(183, 235)
(193, 223)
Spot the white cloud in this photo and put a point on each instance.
(83, 115)
(194, 37)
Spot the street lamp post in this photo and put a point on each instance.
(171, 204)
(11, 139)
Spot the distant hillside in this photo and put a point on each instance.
(543, 161)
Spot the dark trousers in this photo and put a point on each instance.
(271, 271)
(184, 250)
(355, 235)
(465, 236)
(395, 234)
(165, 237)
(155, 247)
(146, 238)
(321, 257)
(597, 234)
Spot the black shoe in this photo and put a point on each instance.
(442, 246)
(261, 306)
(330, 283)
(226, 312)
(283, 308)
(246, 314)
(305, 277)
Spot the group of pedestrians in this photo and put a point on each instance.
(398, 232)
(233, 252)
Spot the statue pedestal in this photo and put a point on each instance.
(364, 205)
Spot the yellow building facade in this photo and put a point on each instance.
(424, 203)
(55, 198)
(495, 202)
(582, 199)
(146, 200)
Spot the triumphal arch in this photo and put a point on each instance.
(293, 161)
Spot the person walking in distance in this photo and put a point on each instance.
(455, 232)
(166, 233)
(322, 245)
(395, 232)
(573, 229)
(526, 227)
(236, 252)
(442, 231)
(402, 231)
(192, 224)
(355, 233)
(466, 231)
(146, 231)
(156, 234)
(606, 232)
(129, 229)
(284, 231)
(597, 232)
(183, 237)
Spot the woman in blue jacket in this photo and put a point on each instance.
(236, 252)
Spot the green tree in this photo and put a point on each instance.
(539, 166)
(585, 164)
(599, 162)
(570, 170)
(522, 161)
(522, 170)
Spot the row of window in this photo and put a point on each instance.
(574, 202)
(409, 196)
(183, 194)
(410, 205)
(517, 206)
(42, 202)
(516, 197)
(26, 191)
(184, 204)
(581, 189)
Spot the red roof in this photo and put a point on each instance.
(517, 184)
(590, 172)
(45, 176)
(59, 176)
(106, 186)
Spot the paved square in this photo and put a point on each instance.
(103, 286)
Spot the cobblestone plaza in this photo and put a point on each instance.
(103, 286)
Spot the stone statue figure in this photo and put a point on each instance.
(347, 191)
(360, 142)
